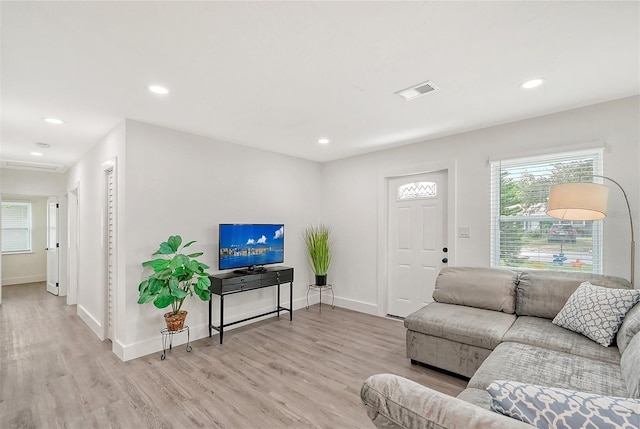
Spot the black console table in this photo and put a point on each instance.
(230, 283)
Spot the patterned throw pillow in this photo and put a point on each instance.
(596, 312)
(551, 408)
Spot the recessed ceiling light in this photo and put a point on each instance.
(54, 121)
(323, 141)
(160, 90)
(532, 83)
(36, 154)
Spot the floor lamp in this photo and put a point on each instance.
(586, 201)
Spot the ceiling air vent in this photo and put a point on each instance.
(37, 166)
(417, 90)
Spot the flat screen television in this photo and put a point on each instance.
(250, 246)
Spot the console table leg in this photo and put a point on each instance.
(210, 304)
(221, 317)
(278, 302)
(290, 301)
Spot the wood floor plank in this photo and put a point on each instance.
(54, 372)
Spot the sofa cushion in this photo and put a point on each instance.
(630, 326)
(488, 288)
(466, 325)
(478, 397)
(463, 359)
(548, 407)
(537, 365)
(596, 311)
(540, 332)
(544, 293)
(395, 402)
(630, 366)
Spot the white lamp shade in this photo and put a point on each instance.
(578, 201)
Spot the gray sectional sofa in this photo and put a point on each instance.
(496, 324)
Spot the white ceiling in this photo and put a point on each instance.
(280, 75)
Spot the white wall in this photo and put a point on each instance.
(27, 182)
(89, 177)
(28, 267)
(350, 189)
(170, 182)
(179, 183)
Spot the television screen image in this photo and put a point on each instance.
(249, 245)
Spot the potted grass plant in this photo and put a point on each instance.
(175, 276)
(317, 239)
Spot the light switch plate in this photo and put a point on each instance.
(464, 232)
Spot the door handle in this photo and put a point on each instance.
(445, 260)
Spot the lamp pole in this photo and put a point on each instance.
(633, 241)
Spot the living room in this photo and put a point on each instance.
(172, 180)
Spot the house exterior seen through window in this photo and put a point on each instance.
(522, 235)
(16, 227)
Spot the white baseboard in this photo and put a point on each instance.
(118, 348)
(91, 321)
(154, 345)
(24, 279)
(349, 304)
(352, 304)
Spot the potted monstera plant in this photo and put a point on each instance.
(319, 249)
(176, 275)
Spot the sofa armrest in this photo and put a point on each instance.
(395, 402)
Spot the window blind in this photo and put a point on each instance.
(522, 235)
(16, 227)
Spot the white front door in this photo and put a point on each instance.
(417, 239)
(53, 246)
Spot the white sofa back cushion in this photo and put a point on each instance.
(488, 288)
(544, 293)
(630, 367)
(630, 327)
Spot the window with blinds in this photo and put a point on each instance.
(16, 227)
(522, 235)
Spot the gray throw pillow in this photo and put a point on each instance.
(596, 312)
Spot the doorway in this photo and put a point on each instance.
(53, 247)
(417, 234)
(28, 258)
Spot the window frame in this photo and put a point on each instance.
(430, 191)
(499, 166)
(29, 228)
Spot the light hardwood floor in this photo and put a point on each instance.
(274, 373)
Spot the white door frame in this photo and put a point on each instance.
(63, 223)
(383, 217)
(109, 167)
(53, 248)
(0, 254)
(73, 242)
